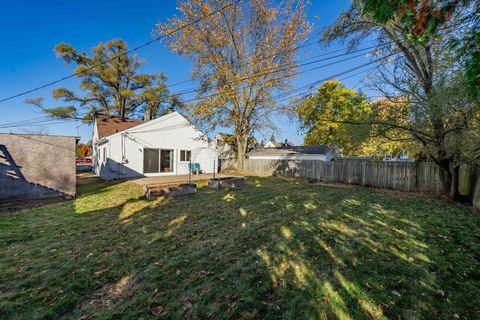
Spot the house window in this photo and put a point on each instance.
(151, 160)
(157, 160)
(185, 155)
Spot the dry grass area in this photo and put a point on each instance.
(276, 249)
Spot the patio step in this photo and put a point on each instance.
(168, 190)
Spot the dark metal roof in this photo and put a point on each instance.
(318, 149)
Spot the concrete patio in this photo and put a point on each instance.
(159, 180)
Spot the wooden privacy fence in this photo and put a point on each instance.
(415, 176)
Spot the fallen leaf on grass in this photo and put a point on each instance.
(206, 272)
(380, 309)
(187, 306)
(157, 310)
(97, 273)
(396, 293)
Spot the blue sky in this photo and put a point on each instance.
(29, 30)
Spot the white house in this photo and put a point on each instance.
(127, 148)
(324, 152)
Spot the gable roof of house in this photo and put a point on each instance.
(153, 123)
(108, 125)
(275, 144)
(296, 150)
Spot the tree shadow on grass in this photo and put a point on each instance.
(58, 258)
(275, 249)
(359, 256)
(382, 261)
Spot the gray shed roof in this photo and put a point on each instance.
(318, 149)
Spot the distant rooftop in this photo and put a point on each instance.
(318, 149)
(275, 144)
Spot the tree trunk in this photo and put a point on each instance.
(241, 150)
(450, 177)
(446, 179)
(454, 188)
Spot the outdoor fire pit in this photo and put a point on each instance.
(153, 192)
(226, 182)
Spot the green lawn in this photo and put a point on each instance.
(275, 249)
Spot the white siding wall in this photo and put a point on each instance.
(171, 132)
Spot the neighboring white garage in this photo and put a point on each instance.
(323, 152)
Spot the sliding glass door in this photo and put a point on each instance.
(151, 163)
(166, 161)
(157, 160)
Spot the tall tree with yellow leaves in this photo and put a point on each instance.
(342, 116)
(423, 67)
(242, 55)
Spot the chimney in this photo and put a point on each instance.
(171, 109)
(147, 115)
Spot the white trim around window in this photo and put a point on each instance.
(185, 155)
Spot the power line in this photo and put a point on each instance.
(307, 44)
(286, 95)
(37, 120)
(315, 82)
(24, 121)
(132, 50)
(121, 54)
(308, 85)
(279, 69)
(281, 96)
(33, 123)
(341, 79)
(273, 70)
(47, 120)
(294, 74)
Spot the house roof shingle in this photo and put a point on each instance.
(108, 125)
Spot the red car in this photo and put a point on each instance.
(86, 161)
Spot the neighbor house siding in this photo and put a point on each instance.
(33, 166)
(321, 157)
(95, 154)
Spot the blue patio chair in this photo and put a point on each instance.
(197, 168)
(191, 168)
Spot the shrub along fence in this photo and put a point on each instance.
(405, 176)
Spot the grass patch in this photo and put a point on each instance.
(275, 249)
